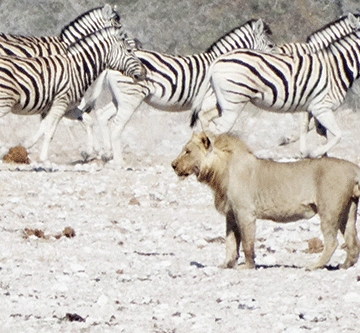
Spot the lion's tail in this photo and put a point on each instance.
(356, 189)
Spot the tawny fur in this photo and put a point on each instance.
(247, 188)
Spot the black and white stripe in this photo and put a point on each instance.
(318, 40)
(85, 24)
(323, 37)
(173, 82)
(333, 31)
(49, 85)
(31, 46)
(316, 82)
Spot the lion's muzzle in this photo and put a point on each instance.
(178, 170)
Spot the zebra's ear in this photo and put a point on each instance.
(108, 12)
(259, 26)
(353, 21)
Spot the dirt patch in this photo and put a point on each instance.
(17, 155)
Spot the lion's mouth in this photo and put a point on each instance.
(196, 170)
(183, 175)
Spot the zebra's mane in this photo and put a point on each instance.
(66, 32)
(246, 26)
(330, 28)
(95, 37)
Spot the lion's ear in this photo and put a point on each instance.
(206, 142)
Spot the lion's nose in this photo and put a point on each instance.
(174, 165)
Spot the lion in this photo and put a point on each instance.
(247, 188)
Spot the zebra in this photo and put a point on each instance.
(318, 40)
(315, 42)
(49, 85)
(31, 46)
(85, 24)
(315, 82)
(172, 82)
(322, 37)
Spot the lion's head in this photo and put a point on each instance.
(193, 154)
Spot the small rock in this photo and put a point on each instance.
(133, 201)
(17, 155)
(315, 245)
(69, 232)
(74, 317)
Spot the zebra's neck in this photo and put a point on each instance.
(83, 25)
(345, 55)
(87, 69)
(331, 32)
(241, 37)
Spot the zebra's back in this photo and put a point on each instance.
(32, 83)
(274, 82)
(34, 46)
(176, 79)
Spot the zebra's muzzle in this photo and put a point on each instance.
(140, 76)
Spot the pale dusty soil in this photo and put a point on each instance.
(147, 249)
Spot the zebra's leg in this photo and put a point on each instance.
(208, 112)
(30, 142)
(4, 110)
(231, 100)
(227, 120)
(127, 96)
(93, 92)
(51, 121)
(92, 144)
(327, 119)
(304, 128)
(103, 116)
(68, 123)
(205, 118)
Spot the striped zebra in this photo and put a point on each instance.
(85, 24)
(50, 85)
(315, 82)
(323, 37)
(31, 46)
(172, 82)
(318, 40)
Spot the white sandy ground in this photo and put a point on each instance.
(148, 246)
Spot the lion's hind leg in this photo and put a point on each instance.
(348, 229)
(329, 229)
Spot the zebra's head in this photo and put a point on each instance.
(123, 58)
(261, 33)
(253, 35)
(89, 22)
(111, 17)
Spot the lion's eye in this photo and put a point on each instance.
(187, 152)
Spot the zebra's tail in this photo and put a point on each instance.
(199, 99)
(194, 118)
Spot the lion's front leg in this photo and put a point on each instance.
(246, 224)
(232, 242)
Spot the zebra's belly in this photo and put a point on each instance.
(270, 103)
(21, 110)
(167, 104)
